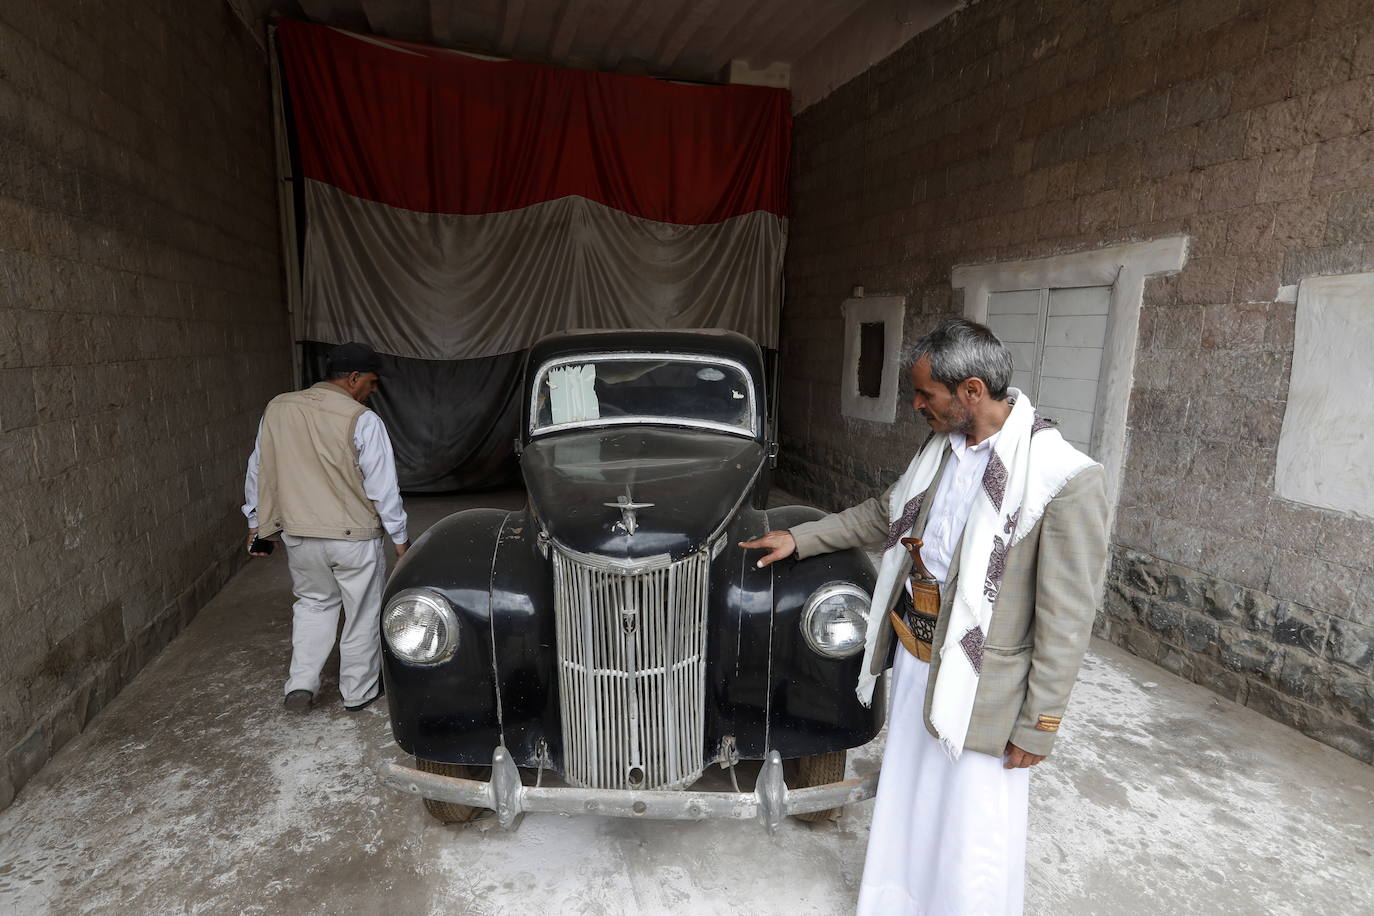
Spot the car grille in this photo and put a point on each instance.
(632, 672)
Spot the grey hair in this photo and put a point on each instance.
(960, 349)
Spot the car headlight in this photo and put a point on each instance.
(420, 627)
(835, 619)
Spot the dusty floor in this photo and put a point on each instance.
(194, 792)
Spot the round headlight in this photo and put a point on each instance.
(835, 619)
(420, 627)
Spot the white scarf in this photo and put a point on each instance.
(1016, 488)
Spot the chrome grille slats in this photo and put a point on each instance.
(632, 671)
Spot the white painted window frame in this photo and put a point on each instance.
(1122, 267)
(890, 311)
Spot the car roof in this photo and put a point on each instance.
(702, 342)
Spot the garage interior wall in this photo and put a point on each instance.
(142, 329)
(1022, 129)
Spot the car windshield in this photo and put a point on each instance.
(657, 388)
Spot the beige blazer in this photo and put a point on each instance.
(1041, 621)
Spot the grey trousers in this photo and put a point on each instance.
(327, 575)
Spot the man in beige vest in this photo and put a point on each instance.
(1013, 521)
(322, 477)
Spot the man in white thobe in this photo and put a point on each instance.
(322, 478)
(1013, 521)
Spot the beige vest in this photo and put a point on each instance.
(309, 483)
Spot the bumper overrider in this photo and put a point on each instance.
(770, 802)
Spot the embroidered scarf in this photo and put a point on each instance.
(1017, 486)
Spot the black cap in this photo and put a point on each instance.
(354, 357)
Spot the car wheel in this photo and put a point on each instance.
(449, 812)
(816, 770)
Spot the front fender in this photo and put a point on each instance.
(449, 712)
(812, 705)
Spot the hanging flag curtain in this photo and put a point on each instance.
(458, 208)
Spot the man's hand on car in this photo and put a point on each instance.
(779, 545)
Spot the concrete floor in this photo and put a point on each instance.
(195, 792)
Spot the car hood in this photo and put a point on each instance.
(693, 478)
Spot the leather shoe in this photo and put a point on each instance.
(381, 692)
(299, 700)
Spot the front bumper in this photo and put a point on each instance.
(770, 802)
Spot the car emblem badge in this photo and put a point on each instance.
(628, 507)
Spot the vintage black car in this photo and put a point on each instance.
(613, 631)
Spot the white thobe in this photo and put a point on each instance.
(948, 836)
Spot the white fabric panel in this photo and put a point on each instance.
(1325, 444)
(445, 287)
(1082, 300)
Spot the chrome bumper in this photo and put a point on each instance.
(770, 802)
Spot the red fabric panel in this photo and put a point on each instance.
(432, 130)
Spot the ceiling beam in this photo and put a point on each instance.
(805, 32)
(689, 21)
(441, 21)
(409, 21)
(734, 39)
(629, 27)
(566, 29)
(510, 26)
(339, 13)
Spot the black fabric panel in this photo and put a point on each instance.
(452, 423)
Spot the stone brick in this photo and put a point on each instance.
(1233, 326)
(1289, 23)
(1270, 702)
(1201, 634)
(1317, 262)
(1313, 582)
(1344, 163)
(1221, 600)
(1208, 281)
(18, 407)
(1263, 80)
(1300, 627)
(1351, 644)
(1324, 61)
(1229, 185)
(1342, 110)
(1300, 676)
(1247, 653)
(1300, 224)
(1223, 139)
(1200, 100)
(1279, 126)
(1351, 217)
(1355, 695)
(1285, 174)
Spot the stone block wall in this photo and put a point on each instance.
(142, 328)
(1025, 128)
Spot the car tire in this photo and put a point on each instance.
(816, 770)
(449, 812)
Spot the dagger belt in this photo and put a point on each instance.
(915, 614)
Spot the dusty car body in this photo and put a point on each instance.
(613, 631)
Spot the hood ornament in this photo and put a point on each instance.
(628, 507)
